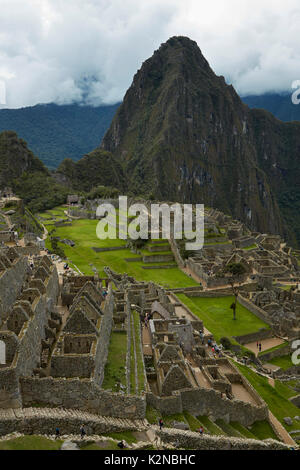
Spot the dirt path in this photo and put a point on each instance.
(146, 340)
(266, 345)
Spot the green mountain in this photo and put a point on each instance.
(184, 134)
(56, 132)
(94, 169)
(27, 175)
(280, 105)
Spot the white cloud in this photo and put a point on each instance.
(64, 51)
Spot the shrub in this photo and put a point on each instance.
(226, 343)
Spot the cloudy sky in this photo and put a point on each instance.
(65, 51)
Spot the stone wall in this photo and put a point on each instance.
(192, 440)
(45, 420)
(11, 282)
(203, 402)
(256, 336)
(158, 258)
(104, 338)
(81, 394)
(292, 371)
(283, 351)
(72, 365)
(176, 253)
(260, 313)
(29, 348)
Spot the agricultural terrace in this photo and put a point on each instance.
(83, 234)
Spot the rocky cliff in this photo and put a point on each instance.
(184, 134)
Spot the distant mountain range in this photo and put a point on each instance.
(280, 105)
(56, 132)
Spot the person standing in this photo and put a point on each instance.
(56, 433)
(161, 423)
(82, 431)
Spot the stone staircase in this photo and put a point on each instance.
(45, 420)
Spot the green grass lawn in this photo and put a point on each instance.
(210, 426)
(83, 233)
(30, 443)
(263, 430)
(251, 247)
(284, 362)
(115, 371)
(152, 415)
(275, 397)
(102, 445)
(218, 317)
(139, 354)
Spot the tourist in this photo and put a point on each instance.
(56, 433)
(260, 347)
(121, 444)
(201, 430)
(161, 423)
(82, 431)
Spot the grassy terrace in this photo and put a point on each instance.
(275, 397)
(115, 372)
(284, 362)
(83, 233)
(218, 317)
(259, 430)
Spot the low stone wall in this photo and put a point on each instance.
(45, 420)
(213, 294)
(157, 258)
(176, 253)
(132, 260)
(163, 266)
(82, 394)
(102, 250)
(256, 336)
(192, 440)
(292, 371)
(284, 351)
(260, 313)
(295, 400)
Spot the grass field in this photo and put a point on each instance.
(284, 362)
(83, 233)
(30, 443)
(115, 372)
(218, 317)
(275, 397)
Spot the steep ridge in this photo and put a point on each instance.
(184, 134)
